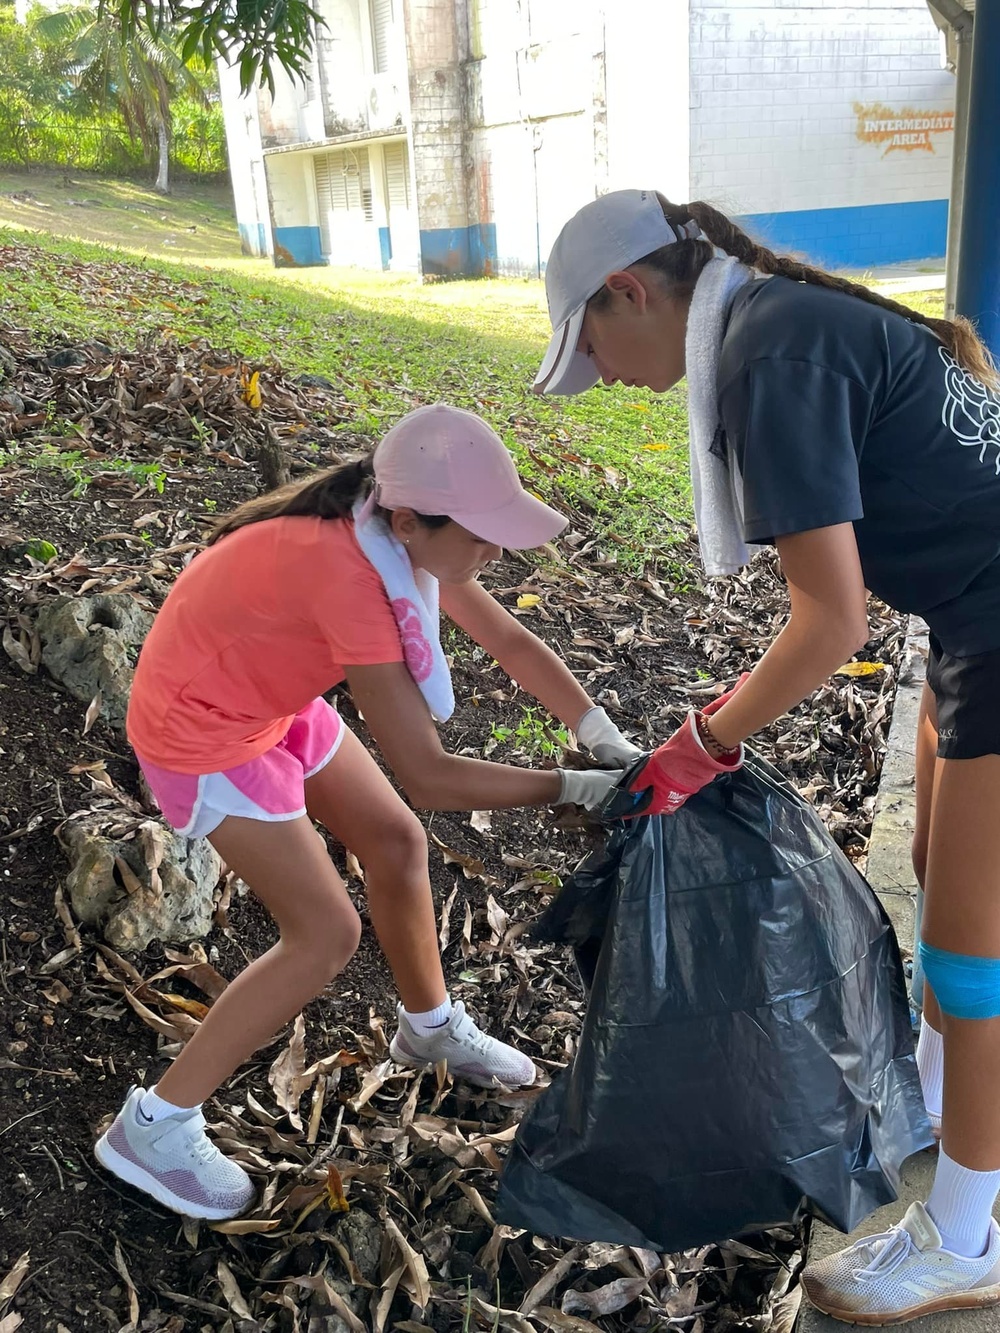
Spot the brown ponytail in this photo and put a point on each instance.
(330, 494)
(682, 263)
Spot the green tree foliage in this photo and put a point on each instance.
(138, 75)
(33, 74)
(74, 94)
(257, 34)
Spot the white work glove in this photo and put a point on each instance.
(587, 788)
(597, 733)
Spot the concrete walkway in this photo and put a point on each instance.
(891, 875)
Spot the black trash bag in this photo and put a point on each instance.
(746, 1055)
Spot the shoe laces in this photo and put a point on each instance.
(198, 1144)
(891, 1248)
(468, 1033)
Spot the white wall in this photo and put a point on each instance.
(246, 161)
(774, 91)
(648, 92)
(535, 100)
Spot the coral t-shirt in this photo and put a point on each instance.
(254, 629)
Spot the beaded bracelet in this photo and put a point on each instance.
(710, 743)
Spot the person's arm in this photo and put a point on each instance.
(525, 658)
(827, 625)
(397, 716)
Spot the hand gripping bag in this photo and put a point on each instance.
(746, 1056)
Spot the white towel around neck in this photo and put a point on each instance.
(718, 490)
(413, 595)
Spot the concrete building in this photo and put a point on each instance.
(455, 136)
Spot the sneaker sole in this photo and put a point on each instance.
(981, 1299)
(145, 1181)
(411, 1062)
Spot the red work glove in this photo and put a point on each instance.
(716, 704)
(680, 767)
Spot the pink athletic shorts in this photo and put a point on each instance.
(270, 787)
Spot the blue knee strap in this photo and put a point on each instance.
(965, 986)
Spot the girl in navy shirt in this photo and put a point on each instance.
(861, 439)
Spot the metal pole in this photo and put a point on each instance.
(977, 293)
(963, 71)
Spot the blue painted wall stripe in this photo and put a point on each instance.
(295, 246)
(460, 251)
(867, 235)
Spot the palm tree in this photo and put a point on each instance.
(139, 75)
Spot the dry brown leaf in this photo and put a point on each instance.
(16, 651)
(419, 1285)
(14, 1278)
(93, 711)
(11, 1322)
(246, 1226)
(285, 1074)
(564, 1323)
(785, 1312)
(472, 867)
(549, 1280)
(373, 1080)
(444, 934)
(231, 1291)
(126, 1276)
(131, 881)
(178, 1028)
(384, 1305)
(609, 1299)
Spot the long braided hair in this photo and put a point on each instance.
(681, 264)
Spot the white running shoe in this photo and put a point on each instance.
(470, 1054)
(174, 1161)
(903, 1274)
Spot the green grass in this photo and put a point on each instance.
(388, 341)
(388, 345)
(195, 221)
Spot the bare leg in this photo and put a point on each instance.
(354, 800)
(289, 871)
(925, 767)
(962, 915)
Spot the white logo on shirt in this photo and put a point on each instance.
(971, 411)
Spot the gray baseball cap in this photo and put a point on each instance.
(609, 233)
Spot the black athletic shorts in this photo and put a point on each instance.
(967, 690)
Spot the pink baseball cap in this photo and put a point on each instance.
(443, 460)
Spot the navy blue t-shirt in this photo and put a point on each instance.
(839, 411)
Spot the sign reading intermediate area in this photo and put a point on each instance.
(906, 130)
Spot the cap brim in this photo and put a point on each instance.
(565, 370)
(519, 525)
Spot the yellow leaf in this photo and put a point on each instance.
(528, 599)
(335, 1192)
(639, 407)
(860, 669)
(656, 446)
(251, 394)
(180, 1002)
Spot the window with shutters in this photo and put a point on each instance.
(343, 186)
(381, 12)
(397, 175)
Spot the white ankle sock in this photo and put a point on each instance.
(424, 1024)
(961, 1204)
(930, 1065)
(152, 1107)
